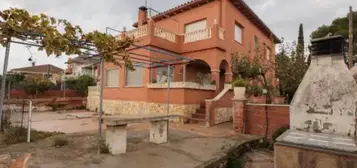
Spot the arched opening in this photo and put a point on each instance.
(223, 69)
(198, 71)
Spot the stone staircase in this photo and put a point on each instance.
(198, 117)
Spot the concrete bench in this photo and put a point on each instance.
(116, 134)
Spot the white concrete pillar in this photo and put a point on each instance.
(158, 131)
(116, 137)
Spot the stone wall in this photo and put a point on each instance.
(292, 157)
(223, 115)
(93, 98)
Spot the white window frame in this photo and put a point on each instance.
(196, 23)
(106, 77)
(240, 41)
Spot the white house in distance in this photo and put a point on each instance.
(82, 65)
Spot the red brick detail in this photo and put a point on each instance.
(255, 119)
(238, 116)
(20, 94)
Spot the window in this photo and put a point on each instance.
(256, 42)
(134, 78)
(195, 26)
(162, 75)
(268, 52)
(238, 34)
(112, 78)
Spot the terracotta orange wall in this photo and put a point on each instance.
(124, 92)
(231, 16)
(209, 11)
(179, 96)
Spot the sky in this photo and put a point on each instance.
(282, 17)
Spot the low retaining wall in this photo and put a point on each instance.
(42, 105)
(251, 118)
(20, 94)
(114, 107)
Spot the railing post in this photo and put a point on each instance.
(151, 29)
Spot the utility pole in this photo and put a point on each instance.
(3, 79)
(350, 40)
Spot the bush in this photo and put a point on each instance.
(104, 148)
(56, 106)
(80, 85)
(240, 83)
(16, 135)
(255, 90)
(59, 142)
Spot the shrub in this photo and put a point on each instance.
(104, 148)
(59, 142)
(56, 106)
(16, 135)
(80, 85)
(255, 90)
(240, 83)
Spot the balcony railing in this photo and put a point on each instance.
(164, 34)
(139, 32)
(198, 35)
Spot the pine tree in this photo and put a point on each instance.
(300, 45)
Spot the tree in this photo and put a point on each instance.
(301, 43)
(290, 69)
(60, 37)
(80, 85)
(339, 26)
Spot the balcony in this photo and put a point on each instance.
(151, 34)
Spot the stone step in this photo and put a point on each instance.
(196, 121)
(199, 115)
(201, 111)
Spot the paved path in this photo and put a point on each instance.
(188, 145)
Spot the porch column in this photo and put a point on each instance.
(184, 73)
(238, 115)
(215, 77)
(228, 77)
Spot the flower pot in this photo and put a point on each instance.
(258, 100)
(239, 93)
(279, 100)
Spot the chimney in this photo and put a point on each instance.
(143, 14)
(326, 100)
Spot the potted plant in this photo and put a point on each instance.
(239, 86)
(256, 93)
(278, 98)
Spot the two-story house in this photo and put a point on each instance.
(82, 65)
(206, 31)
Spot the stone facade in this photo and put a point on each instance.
(182, 85)
(93, 98)
(223, 115)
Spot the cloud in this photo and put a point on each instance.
(282, 16)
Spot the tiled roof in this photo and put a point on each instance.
(39, 69)
(240, 4)
(82, 59)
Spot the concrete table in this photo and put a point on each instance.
(116, 134)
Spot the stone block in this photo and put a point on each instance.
(158, 132)
(116, 139)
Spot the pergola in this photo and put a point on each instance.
(140, 60)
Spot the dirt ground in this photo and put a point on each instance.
(183, 150)
(188, 145)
